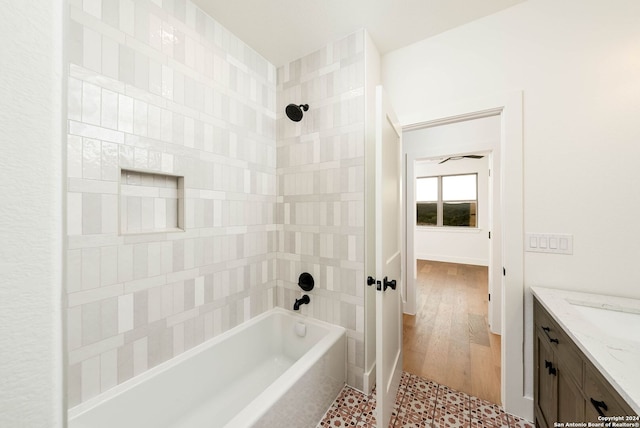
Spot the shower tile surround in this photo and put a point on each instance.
(320, 210)
(157, 87)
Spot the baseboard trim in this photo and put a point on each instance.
(369, 379)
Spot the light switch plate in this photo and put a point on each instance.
(554, 243)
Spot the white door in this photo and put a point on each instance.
(388, 258)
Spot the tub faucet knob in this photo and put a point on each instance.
(302, 301)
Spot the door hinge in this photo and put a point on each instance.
(504, 272)
(489, 234)
(489, 296)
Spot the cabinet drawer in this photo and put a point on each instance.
(597, 388)
(567, 352)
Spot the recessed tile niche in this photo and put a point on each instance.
(150, 202)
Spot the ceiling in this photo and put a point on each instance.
(285, 30)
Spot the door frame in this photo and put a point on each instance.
(514, 377)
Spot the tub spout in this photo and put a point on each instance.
(303, 301)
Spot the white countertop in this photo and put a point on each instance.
(617, 358)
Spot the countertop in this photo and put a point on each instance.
(617, 359)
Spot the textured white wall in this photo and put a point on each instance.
(31, 214)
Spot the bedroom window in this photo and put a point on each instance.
(447, 200)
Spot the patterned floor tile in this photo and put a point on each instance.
(408, 423)
(516, 422)
(418, 406)
(420, 403)
(487, 414)
(425, 387)
(451, 421)
(352, 400)
(338, 419)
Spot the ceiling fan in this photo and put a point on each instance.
(461, 157)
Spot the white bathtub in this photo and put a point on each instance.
(260, 373)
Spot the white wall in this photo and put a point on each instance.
(452, 244)
(31, 109)
(577, 63)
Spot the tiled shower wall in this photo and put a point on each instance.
(321, 189)
(157, 86)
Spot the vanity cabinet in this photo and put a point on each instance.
(567, 387)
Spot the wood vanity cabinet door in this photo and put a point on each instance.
(545, 386)
(571, 404)
(601, 395)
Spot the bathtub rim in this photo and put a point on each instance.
(261, 404)
(334, 332)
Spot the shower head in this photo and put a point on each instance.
(294, 112)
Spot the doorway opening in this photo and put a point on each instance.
(451, 329)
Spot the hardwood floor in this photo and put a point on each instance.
(448, 340)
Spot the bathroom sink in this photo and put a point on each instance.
(617, 322)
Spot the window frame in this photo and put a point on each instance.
(440, 202)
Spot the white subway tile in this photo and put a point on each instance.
(109, 109)
(199, 291)
(178, 339)
(154, 258)
(127, 16)
(125, 313)
(155, 305)
(108, 369)
(91, 100)
(140, 119)
(74, 156)
(90, 268)
(140, 69)
(74, 328)
(125, 113)
(140, 356)
(155, 78)
(140, 267)
(141, 22)
(109, 214)
(155, 31)
(111, 13)
(74, 213)
(91, 214)
(74, 104)
(166, 125)
(167, 300)
(167, 39)
(141, 158)
(110, 57)
(91, 159)
(125, 263)
(90, 377)
(108, 265)
(92, 50)
(93, 7)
